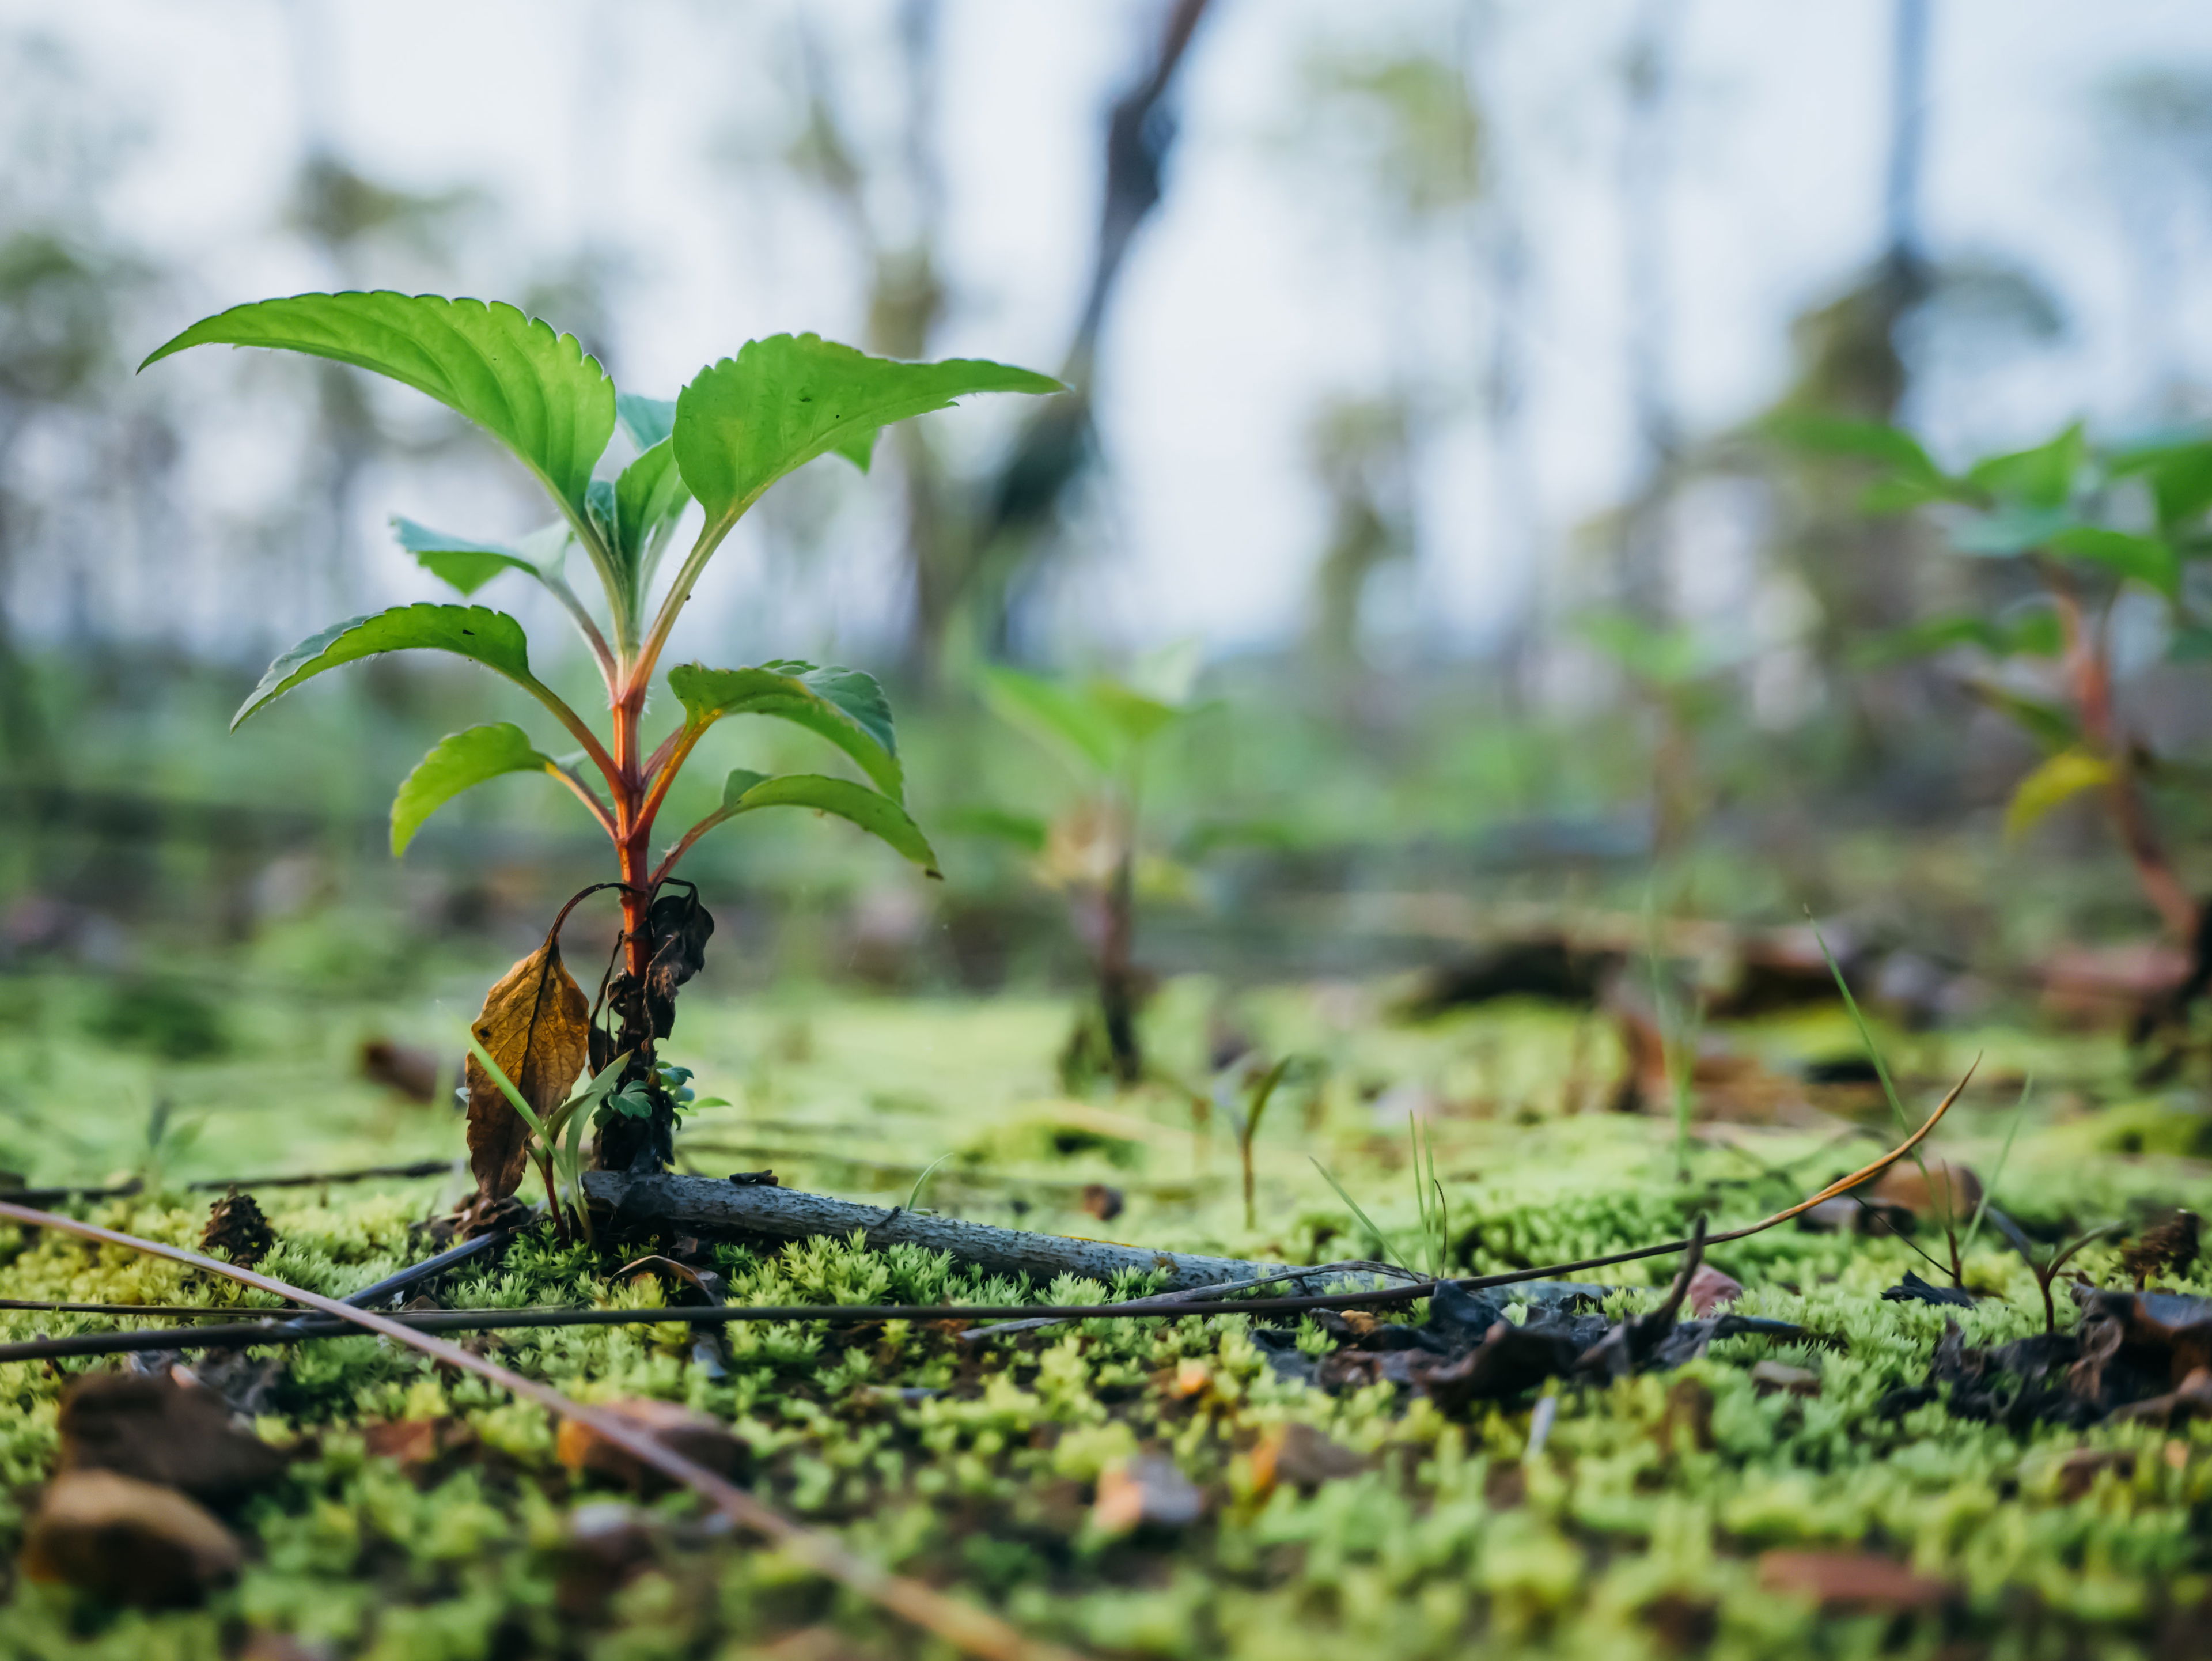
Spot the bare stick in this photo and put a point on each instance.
(974, 1631)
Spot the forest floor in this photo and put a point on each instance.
(1224, 1487)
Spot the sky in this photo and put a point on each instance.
(1273, 279)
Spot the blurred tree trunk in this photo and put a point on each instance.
(1642, 578)
(982, 573)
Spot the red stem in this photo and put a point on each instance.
(2088, 671)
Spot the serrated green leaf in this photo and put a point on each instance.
(456, 762)
(466, 564)
(491, 638)
(646, 420)
(532, 389)
(1057, 715)
(2041, 477)
(745, 422)
(845, 706)
(748, 792)
(2147, 559)
(2064, 774)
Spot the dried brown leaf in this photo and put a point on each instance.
(128, 1542)
(699, 1437)
(146, 1427)
(536, 1023)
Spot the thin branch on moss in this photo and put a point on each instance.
(972, 1631)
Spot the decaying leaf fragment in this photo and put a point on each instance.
(536, 1023)
(147, 1427)
(128, 1542)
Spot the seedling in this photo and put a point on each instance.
(1939, 1194)
(741, 424)
(2052, 510)
(1247, 1126)
(2046, 1265)
(1105, 730)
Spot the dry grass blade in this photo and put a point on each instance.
(972, 1631)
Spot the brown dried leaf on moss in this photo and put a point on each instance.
(536, 1023)
(699, 1437)
(1850, 1579)
(127, 1542)
(145, 1427)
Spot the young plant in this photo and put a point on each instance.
(741, 424)
(1246, 1124)
(1105, 730)
(2046, 1265)
(2058, 513)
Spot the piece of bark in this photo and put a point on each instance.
(127, 1542)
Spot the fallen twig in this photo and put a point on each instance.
(1154, 1306)
(45, 1196)
(703, 1205)
(974, 1631)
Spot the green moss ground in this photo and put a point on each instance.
(1629, 1535)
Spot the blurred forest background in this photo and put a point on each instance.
(1424, 356)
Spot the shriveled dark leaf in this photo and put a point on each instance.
(144, 1426)
(679, 927)
(1913, 1289)
(237, 1230)
(535, 1024)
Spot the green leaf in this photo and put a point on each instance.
(747, 421)
(2180, 478)
(2033, 633)
(746, 792)
(647, 420)
(1139, 718)
(455, 763)
(2147, 559)
(1056, 714)
(466, 564)
(491, 638)
(2041, 478)
(2011, 530)
(2049, 725)
(533, 390)
(2064, 774)
(1868, 439)
(845, 706)
(649, 495)
(1023, 831)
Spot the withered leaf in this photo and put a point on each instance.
(128, 1542)
(535, 1024)
(678, 928)
(147, 1426)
